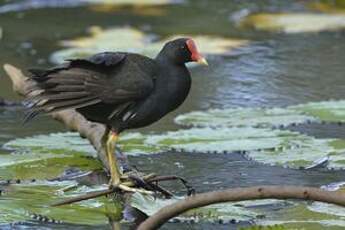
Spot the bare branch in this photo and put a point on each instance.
(241, 194)
(86, 196)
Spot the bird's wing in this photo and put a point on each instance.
(109, 78)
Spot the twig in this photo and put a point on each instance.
(240, 194)
(160, 189)
(190, 189)
(87, 196)
(147, 184)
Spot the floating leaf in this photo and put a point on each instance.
(32, 166)
(302, 152)
(275, 147)
(269, 227)
(64, 142)
(297, 151)
(330, 209)
(68, 143)
(329, 111)
(20, 202)
(222, 140)
(294, 22)
(307, 215)
(50, 154)
(300, 216)
(196, 139)
(239, 117)
(225, 211)
(132, 40)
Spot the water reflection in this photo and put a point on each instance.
(288, 70)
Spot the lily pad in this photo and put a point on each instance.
(132, 40)
(310, 215)
(291, 215)
(328, 111)
(302, 152)
(189, 140)
(67, 142)
(70, 143)
(301, 216)
(294, 22)
(222, 140)
(225, 212)
(270, 146)
(240, 117)
(22, 202)
(330, 209)
(32, 156)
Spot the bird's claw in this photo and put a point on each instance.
(126, 188)
(127, 184)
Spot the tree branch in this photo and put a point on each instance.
(241, 194)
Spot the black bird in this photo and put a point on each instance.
(120, 90)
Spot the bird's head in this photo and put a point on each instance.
(183, 50)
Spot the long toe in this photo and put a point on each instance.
(126, 188)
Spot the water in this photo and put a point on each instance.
(274, 70)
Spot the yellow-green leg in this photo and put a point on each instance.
(115, 174)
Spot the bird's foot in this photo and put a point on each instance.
(131, 182)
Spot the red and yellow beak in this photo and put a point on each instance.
(202, 61)
(195, 55)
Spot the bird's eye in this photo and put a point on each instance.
(183, 47)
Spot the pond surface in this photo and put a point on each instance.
(275, 69)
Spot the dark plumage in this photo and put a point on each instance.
(120, 90)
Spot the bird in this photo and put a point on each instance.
(121, 90)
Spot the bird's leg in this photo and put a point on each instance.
(113, 166)
(115, 174)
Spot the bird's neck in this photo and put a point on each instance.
(165, 58)
(174, 77)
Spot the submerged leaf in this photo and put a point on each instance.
(132, 40)
(295, 22)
